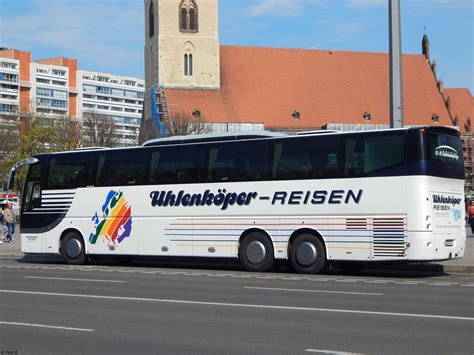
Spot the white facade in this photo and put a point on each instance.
(9, 86)
(49, 92)
(118, 97)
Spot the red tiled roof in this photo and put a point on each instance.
(462, 105)
(267, 85)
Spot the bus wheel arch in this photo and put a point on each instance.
(256, 252)
(73, 247)
(307, 251)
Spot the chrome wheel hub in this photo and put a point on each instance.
(306, 254)
(73, 248)
(256, 252)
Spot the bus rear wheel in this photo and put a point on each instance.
(73, 250)
(256, 252)
(307, 254)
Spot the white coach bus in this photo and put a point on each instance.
(392, 195)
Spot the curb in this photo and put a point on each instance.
(12, 254)
(426, 268)
(458, 269)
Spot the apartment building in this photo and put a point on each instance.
(116, 97)
(55, 87)
(14, 81)
(9, 86)
(50, 89)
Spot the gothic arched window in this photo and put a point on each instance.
(184, 19)
(151, 20)
(190, 65)
(186, 65)
(188, 16)
(192, 20)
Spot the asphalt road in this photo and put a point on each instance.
(49, 308)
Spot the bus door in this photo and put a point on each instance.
(32, 221)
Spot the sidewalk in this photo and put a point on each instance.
(12, 249)
(464, 265)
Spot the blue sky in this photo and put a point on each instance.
(108, 35)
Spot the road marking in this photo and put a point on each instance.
(236, 275)
(330, 352)
(240, 305)
(68, 279)
(468, 285)
(347, 280)
(47, 326)
(316, 291)
(376, 281)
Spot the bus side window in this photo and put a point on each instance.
(354, 165)
(154, 177)
(294, 162)
(121, 168)
(218, 167)
(36, 196)
(69, 171)
(374, 155)
(238, 161)
(32, 188)
(178, 165)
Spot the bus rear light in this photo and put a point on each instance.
(428, 218)
(428, 226)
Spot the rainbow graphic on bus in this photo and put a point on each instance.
(116, 222)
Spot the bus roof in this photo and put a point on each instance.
(236, 136)
(198, 138)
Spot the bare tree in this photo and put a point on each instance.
(68, 133)
(9, 135)
(9, 144)
(148, 130)
(181, 123)
(99, 130)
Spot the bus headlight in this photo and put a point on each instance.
(428, 226)
(429, 244)
(428, 218)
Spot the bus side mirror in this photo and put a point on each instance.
(11, 179)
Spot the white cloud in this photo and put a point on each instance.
(86, 29)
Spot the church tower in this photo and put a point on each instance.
(181, 45)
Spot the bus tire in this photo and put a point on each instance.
(73, 250)
(256, 252)
(307, 254)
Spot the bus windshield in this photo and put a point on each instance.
(443, 154)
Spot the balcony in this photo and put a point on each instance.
(25, 84)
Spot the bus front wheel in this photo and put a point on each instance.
(73, 250)
(307, 254)
(256, 252)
